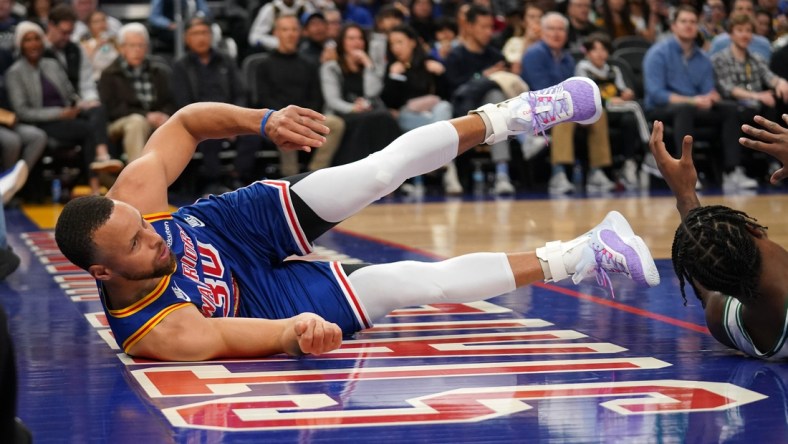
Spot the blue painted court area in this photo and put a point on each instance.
(543, 364)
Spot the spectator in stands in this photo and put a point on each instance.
(623, 111)
(547, 63)
(261, 32)
(759, 44)
(38, 11)
(747, 79)
(351, 90)
(21, 146)
(8, 22)
(352, 13)
(204, 74)
(445, 38)
(71, 55)
(779, 65)
(713, 21)
(415, 89)
(41, 94)
(333, 23)
(422, 19)
(314, 36)
(135, 91)
(651, 18)
(580, 26)
(764, 25)
(516, 46)
(83, 9)
(470, 66)
(616, 19)
(388, 18)
(679, 82)
(101, 47)
(286, 78)
(162, 19)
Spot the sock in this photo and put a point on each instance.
(558, 169)
(382, 288)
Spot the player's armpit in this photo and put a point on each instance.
(714, 308)
(185, 335)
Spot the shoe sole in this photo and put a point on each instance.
(597, 100)
(643, 270)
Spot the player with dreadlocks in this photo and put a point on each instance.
(719, 251)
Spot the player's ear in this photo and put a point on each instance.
(99, 272)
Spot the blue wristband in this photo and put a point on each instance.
(265, 119)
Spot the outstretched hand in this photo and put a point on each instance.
(315, 335)
(772, 140)
(680, 173)
(296, 128)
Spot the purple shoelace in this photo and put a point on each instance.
(602, 278)
(543, 118)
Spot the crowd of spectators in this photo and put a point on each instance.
(75, 79)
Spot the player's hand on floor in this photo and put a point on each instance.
(296, 128)
(316, 335)
(772, 140)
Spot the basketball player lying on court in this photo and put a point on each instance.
(722, 252)
(210, 280)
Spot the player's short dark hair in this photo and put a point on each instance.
(714, 247)
(62, 13)
(78, 221)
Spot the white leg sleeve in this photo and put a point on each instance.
(473, 277)
(335, 194)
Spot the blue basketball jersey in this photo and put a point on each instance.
(231, 252)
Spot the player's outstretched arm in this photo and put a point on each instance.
(143, 183)
(772, 140)
(680, 173)
(185, 335)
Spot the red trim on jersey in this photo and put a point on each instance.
(148, 326)
(350, 294)
(287, 205)
(145, 301)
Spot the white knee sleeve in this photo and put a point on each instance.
(335, 194)
(472, 277)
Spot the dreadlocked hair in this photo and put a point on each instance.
(714, 247)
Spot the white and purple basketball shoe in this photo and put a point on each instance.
(613, 248)
(609, 248)
(576, 99)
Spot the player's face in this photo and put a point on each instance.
(129, 247)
